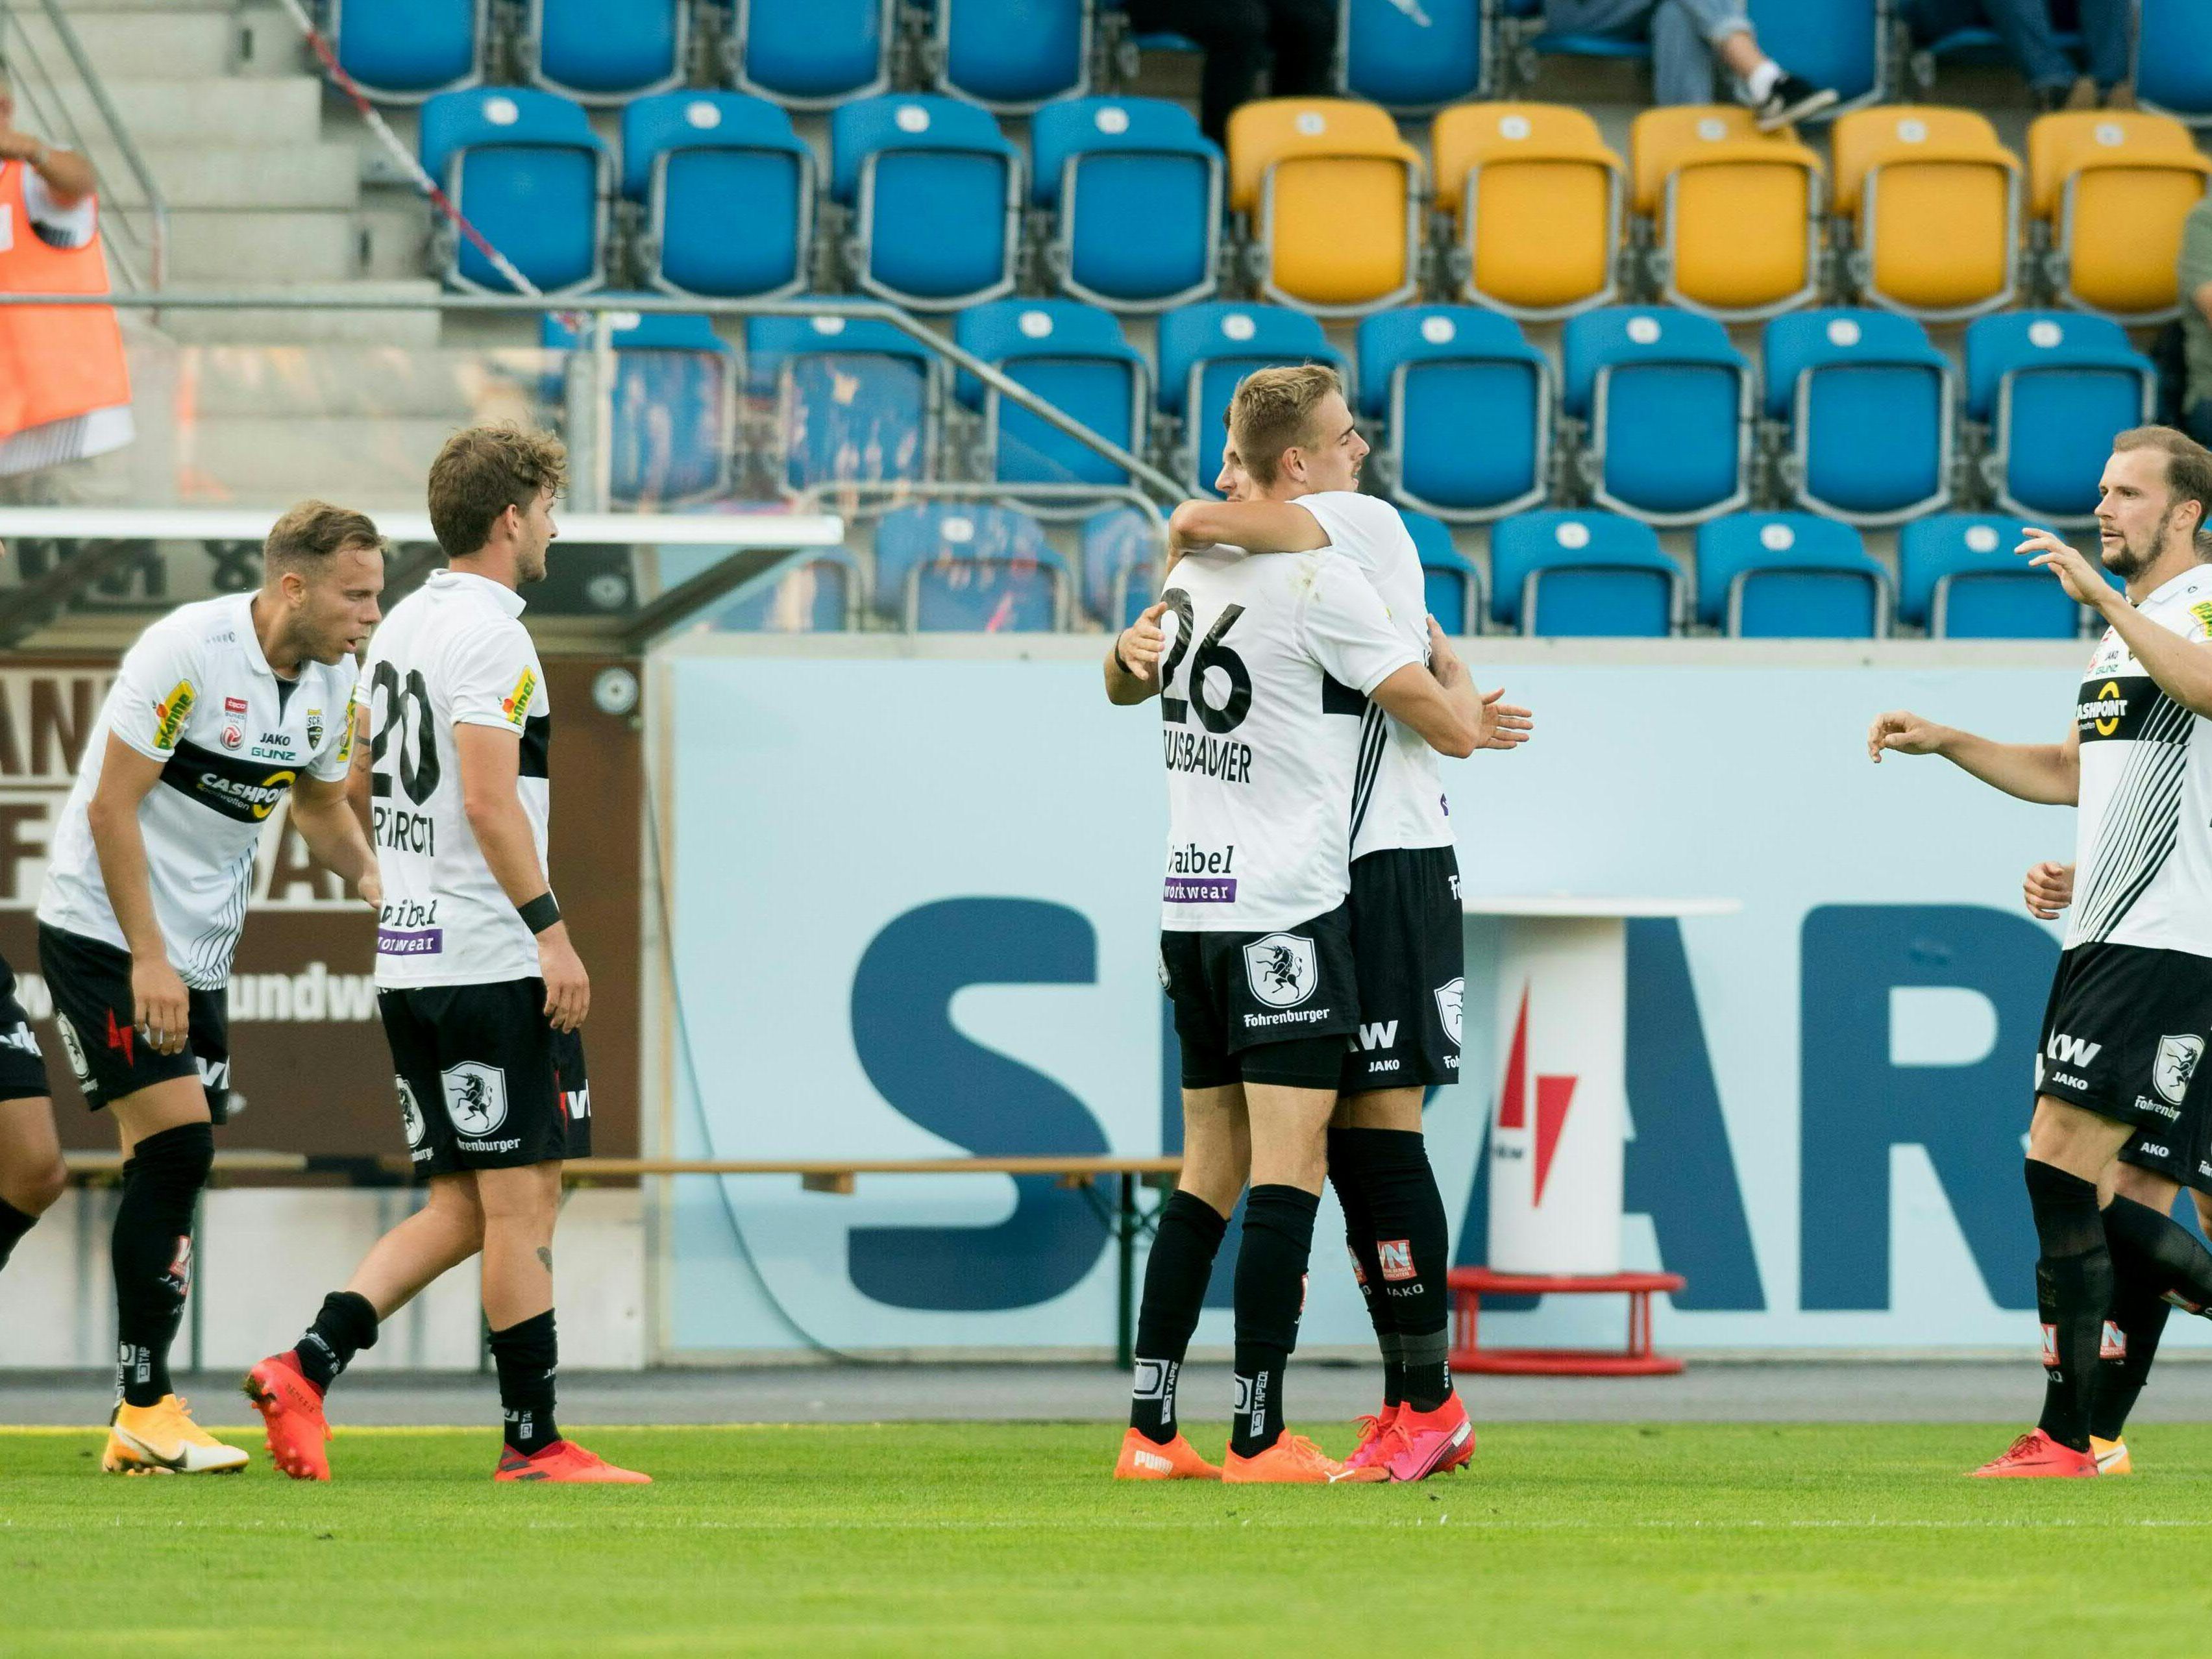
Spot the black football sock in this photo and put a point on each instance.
(2073, 1290)
(1413, 1246)
(14, 1223)
(1271, 1287)
(1347, 1174)
(526, 1356)
(2133, 1327)
(152, 1254)
(1184, 1245)
(346, 1325)
(2160, 1250)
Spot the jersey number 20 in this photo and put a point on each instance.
(1211, 653)
(418, 773)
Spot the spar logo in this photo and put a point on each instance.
(171, 713)
(1522, 1097)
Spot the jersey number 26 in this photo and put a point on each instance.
(1211, 653)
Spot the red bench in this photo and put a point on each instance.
(1468, 1286)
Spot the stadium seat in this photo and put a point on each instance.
(1561, 43)
(1734, 213)
(672, 412)
(1205, 350)
(527, 168)
(820, 596)
(2052, 388)
(1959, 578)
(1932, 202)
(1331, 196)
(1451, 586)
(1121, 551)
(1842, 44)
(1867, 402)
(2173, 59)
(1434, 376)
(1789, 576)
(401, 51)
(967, 566)
(856, 400)
(1535, 199)
(814, 56)
(2111, 188)
(607, 52)
(1569, 572)
(1100, 165)
(1665, 405)
(1011, 55)
(1415, 59)
(698, 163)
(1075, 357)
(935, 191)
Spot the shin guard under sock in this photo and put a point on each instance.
(346, 1324)
(1271, 1272)
(2132, 1329)
(1413, 1246)
(14, 1223)
(526, 1355)
(1187, 1239)
(152, 1254)
(2161, 1251)
(2073, 1290)
(1347, 1174)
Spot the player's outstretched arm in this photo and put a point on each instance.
(1500, 725)
(2048, 774)
(2048, 889)
(325, 818)
(1254, 526)
(1132, 666)
(2179, 664)
(491, 761)
(160, 1006)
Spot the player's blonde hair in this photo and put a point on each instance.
(482, 471)
(1273, 410)
(2188, 473)
(312, 531)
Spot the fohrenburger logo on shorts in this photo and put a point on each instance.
(1448, 1005)
(475, 1098)
(411, 1113)
(1281, 970)
(2176, 1063)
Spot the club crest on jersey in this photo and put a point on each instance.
(171, 713)
(475, 1098)
(516, 704)
(314, 728)
(1282, 970)
(2176, 1064)
(1448, 1005)
(411, 1113)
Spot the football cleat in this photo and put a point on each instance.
(1372, 1433)
(565, 1460)
(2036, 1455)
(1293, 1460)
(292, 1408)
(1423, 1443)
(162, 1438)
(1146, 1459)
(2112, 1456)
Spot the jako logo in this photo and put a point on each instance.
(2071, 1051)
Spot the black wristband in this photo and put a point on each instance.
(539, 914)
(1118, 663)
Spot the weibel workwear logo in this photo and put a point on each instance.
(1282, 970)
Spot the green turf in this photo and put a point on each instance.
(968, 1539)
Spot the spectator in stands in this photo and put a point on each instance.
(1690, 38)
(1239, 39)
(64, 389)
(2196, 320)
(2029, 29)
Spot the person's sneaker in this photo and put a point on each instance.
(1790, 98)
(1146, 1459)
(292, 1408)
(2112, 1456)
(2036, 1455)
(1293, 1460)
(1423, 1443)
(1372, 1433)
(162, 1438)
(565, 1460)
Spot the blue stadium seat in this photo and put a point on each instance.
(604, 52)
(1012, 56)
(857, 400)
(1414, 60)
(1959, 578)
(812, 56)
(1832, 43)
(1122, 553)
(1074, 356)
(1665, 405)
(672, 412)
(1790, 576)
(529, 173)
(1868, 403)
(2173, 59)
(1571, 572)
(1436, 374)
(1452, 587)
(1101, 164)
(1560, 43)
(935, 190)
(967, 566)
(1205, 350)
(2052, 387)
(402, 51)
(698, 163)
(820, 596)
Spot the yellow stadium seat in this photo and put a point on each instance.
(1734, 214)
(1333, 196)
(1537, 201)
(2111, 188)
(1933, 201)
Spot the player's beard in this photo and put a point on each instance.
(531, 567)
(2128, 561)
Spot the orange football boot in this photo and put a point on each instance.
(2112, 1456)
(2036, 1455)
(292, 1408)
(1293, 1460)
(1146, 1459)
(565, 1460)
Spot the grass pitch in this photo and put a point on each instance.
(990, 1539)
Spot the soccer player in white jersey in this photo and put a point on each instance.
(481, 992)
(219, 712)
(2130, 1007)
(1263, 688)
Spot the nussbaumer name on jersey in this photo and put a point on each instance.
(1216, 758)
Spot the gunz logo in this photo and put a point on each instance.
(1281, 970)
(475, 1098)
(2176, 1063)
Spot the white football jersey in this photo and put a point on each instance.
(454, 652)
(1263, 696)
(2143, 848)
(195, 693)
(1401, 801)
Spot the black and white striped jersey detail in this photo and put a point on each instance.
(1373, 737)
(2141, 820)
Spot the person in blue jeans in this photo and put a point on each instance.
(1691, 40)
(2029, 29)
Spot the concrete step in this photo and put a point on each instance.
(409, 330)
(161, 45)
(269, 177)
(311, 385)
(245, 249)
(351, 459)
(394, 235)
(219, 111)
(77, 7)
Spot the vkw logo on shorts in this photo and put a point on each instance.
(1447, 1001)
(1282, 970)
(475, 1098)
(411, 1113)
(2176, 1064)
